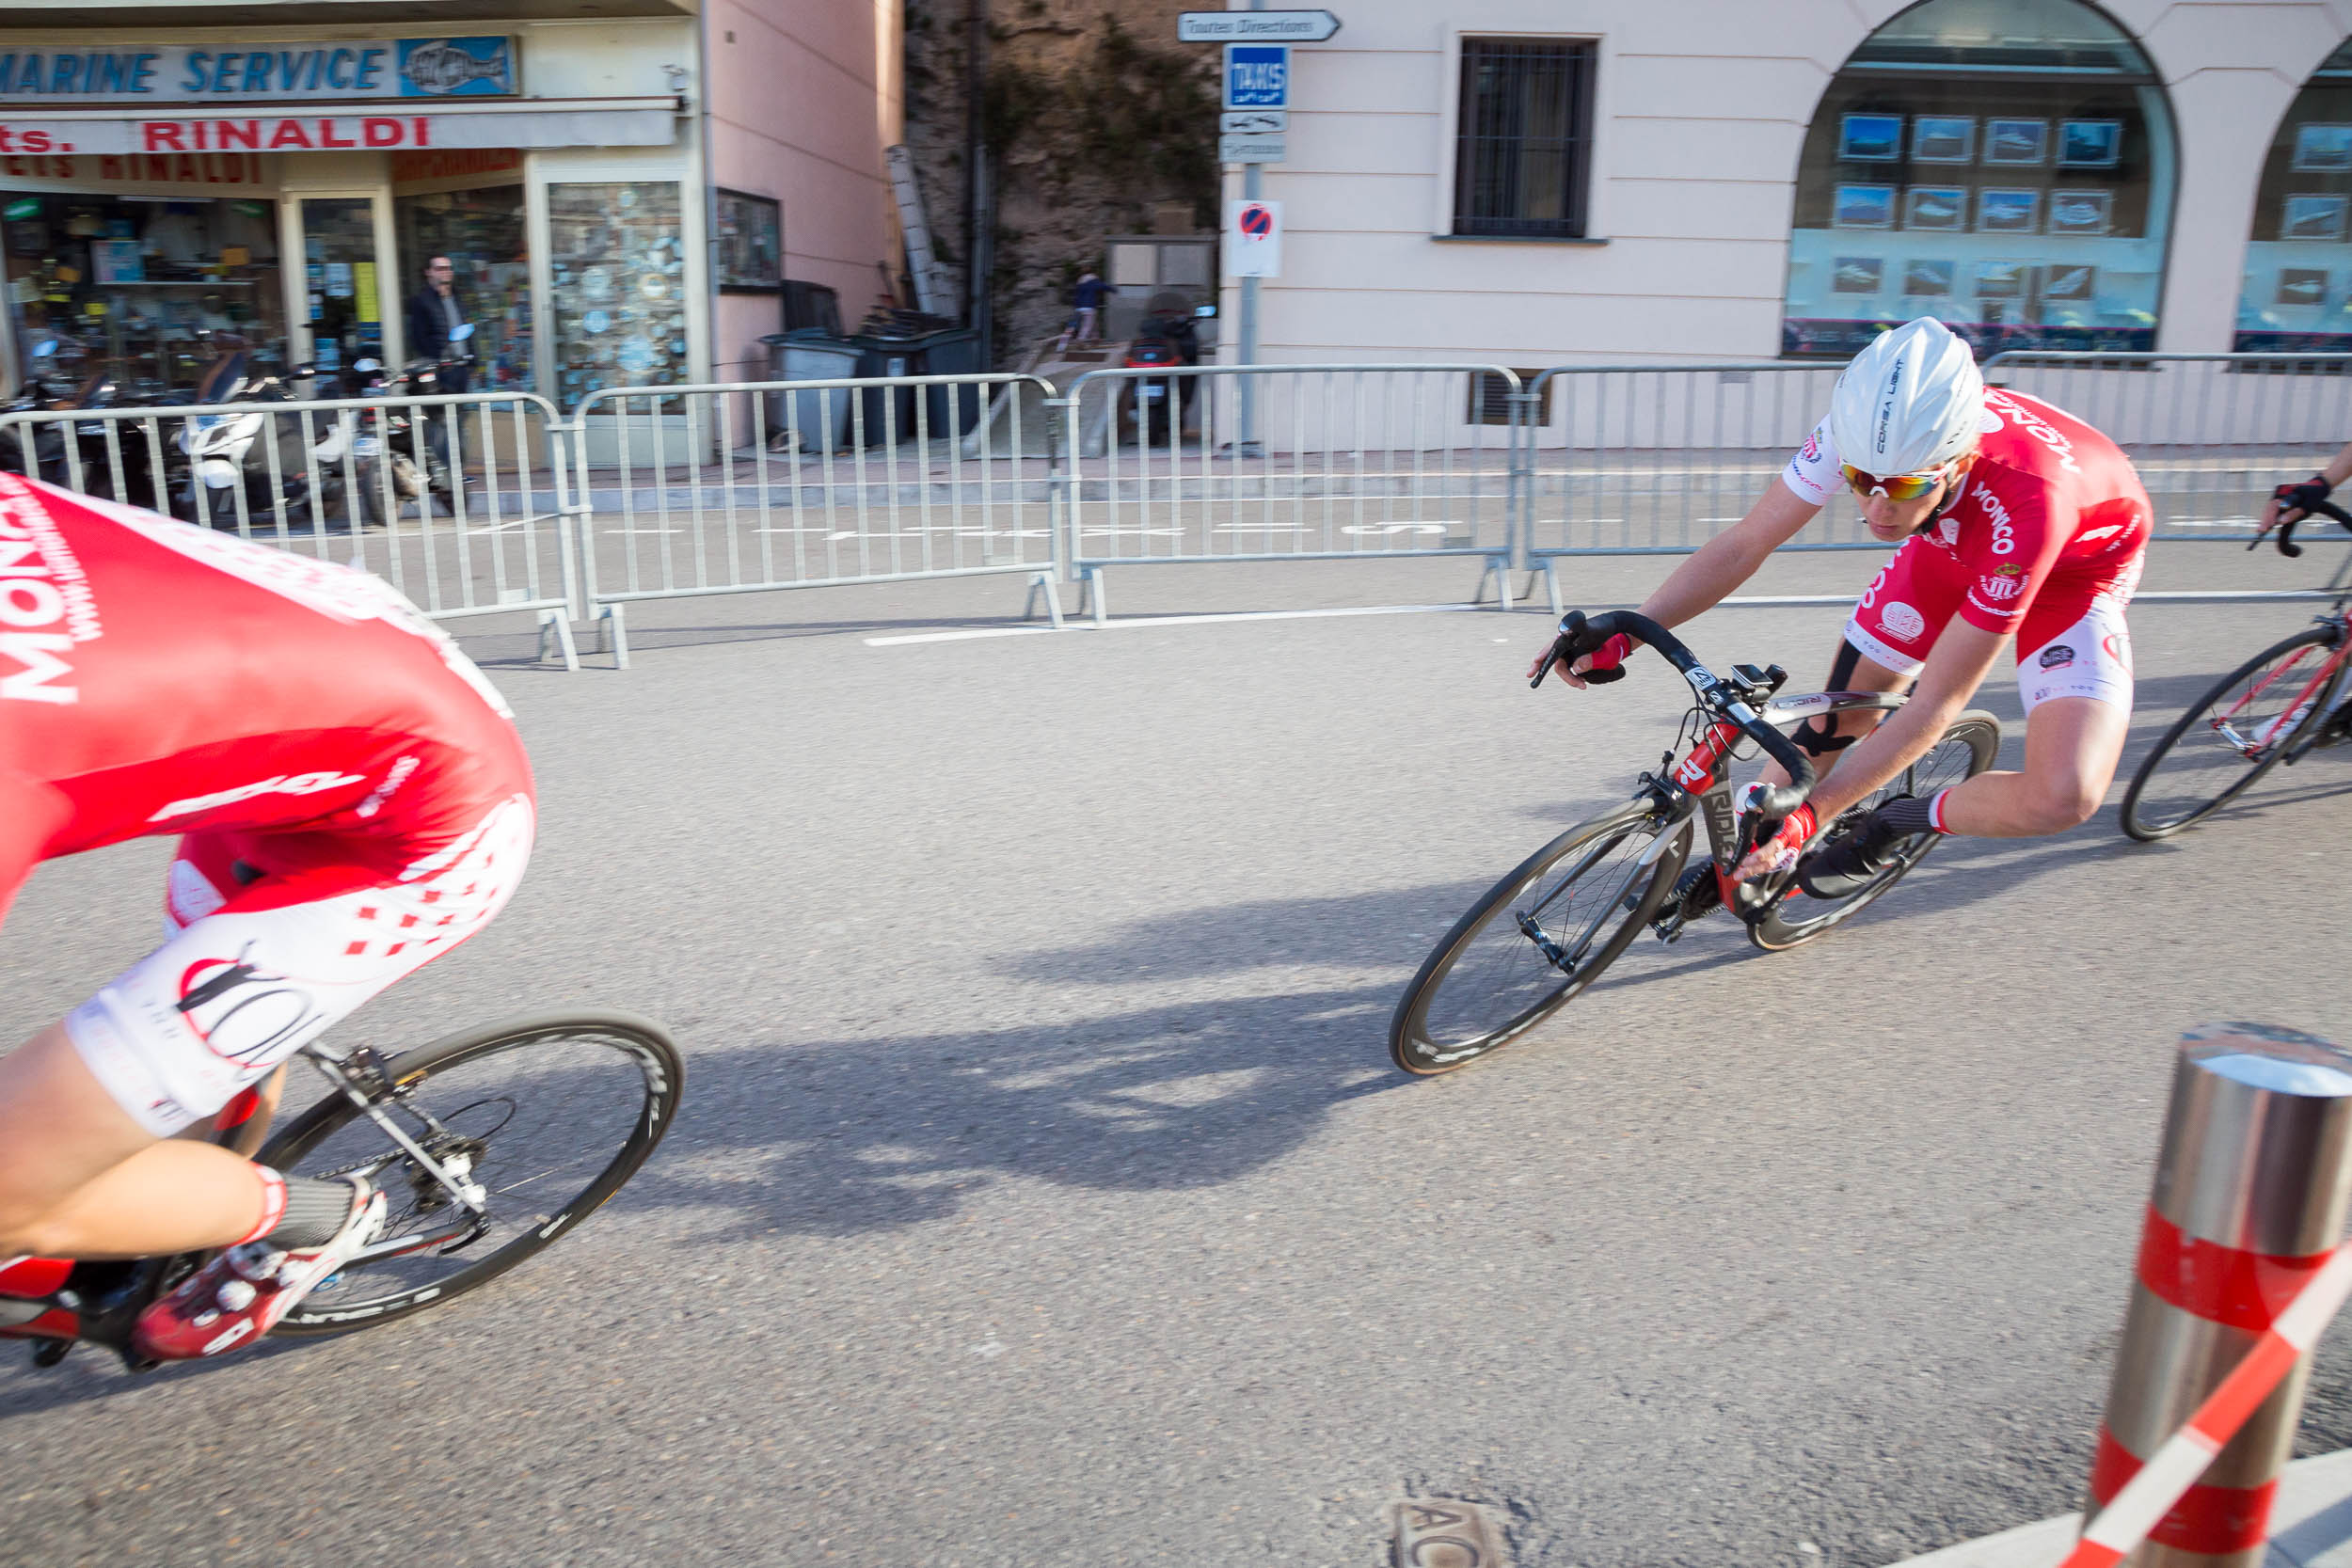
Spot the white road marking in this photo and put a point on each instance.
(1134, 623)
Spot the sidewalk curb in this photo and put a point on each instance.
(2311, 1526)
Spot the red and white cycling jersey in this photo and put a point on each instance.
(350, 792)
(2044, 539)
(2052, 511)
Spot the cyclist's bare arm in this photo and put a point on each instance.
(1721, 564)
(1964, 654)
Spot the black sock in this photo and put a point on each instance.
(1912, 814)
(315, 1212)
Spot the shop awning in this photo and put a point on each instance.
(326, 127)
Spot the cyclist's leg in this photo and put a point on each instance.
(82, 1178)
(2076, 684)
(275, 961)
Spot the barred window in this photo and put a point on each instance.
(1523, 155)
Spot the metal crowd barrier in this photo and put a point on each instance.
(679, 492)
(1170, 464)
(1658, 459)
(748, 487)
(2211, 433)
(457, 499)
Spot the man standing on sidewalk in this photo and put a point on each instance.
(435, 313)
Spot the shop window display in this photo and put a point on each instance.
(345, 294)
(618, 263)
(2297, 290)
(484, 233)
(2006, 165)
(145, 282)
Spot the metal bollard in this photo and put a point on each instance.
(2249, 1200)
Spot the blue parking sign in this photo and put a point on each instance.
(1257, 75)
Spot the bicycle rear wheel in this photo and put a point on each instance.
(1587, 893)
(551, 1113)
(2234, 735)
(1963, 751)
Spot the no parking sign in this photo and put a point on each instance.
(1253, 238)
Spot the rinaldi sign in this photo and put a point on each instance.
(535, 122)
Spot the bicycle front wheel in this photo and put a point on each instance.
(550, 1115)
(2232, 736)
(1538, 937)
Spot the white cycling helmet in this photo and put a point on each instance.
(1913, 401)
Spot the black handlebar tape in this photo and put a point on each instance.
(2287, 546)
(1583, 633)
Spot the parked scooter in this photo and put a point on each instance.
(236, 468)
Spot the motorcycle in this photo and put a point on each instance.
(1160, 408)
(89, 454)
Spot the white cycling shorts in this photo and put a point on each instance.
(252, 970)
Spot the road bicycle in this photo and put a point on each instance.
(2276, 709)
(1544, 933)
(488, 1146)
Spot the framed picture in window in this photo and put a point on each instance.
(1935, 207)
(1870, 138)
(1857, 275)
(2312, 217)
(2090, 143)
(1928, 278)
(2021, 143)
(2002, 280)
(2323, 149)
(748, 257)
(1944, 139)
(2302, 286)
(1862, 207)
(2007, 212)
(2082, 212)
(2069, 283)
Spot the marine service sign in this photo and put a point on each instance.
(227, 72)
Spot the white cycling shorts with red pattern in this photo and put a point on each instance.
(2072, 641)
(245, 977)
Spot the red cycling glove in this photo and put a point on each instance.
(1779, 852)
(1606, 657)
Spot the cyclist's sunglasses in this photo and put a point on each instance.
(1900, 487)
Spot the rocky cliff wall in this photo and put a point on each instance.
(1095, 115)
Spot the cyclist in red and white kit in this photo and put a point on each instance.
(351, 801)
(2019, 523)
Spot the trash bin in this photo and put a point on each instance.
(951, 410)
(822, 417)
(889, 411)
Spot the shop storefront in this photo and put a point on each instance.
(2297, 294)
(2008, 170)
(286, 190)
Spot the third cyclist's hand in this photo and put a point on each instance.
(2290, 501)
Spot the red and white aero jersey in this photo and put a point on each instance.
(157, 677)
(2052, 511)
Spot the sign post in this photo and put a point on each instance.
(1257, 77)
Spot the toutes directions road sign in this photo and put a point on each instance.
(1251, 26)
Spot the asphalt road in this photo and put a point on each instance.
(1043, 1194)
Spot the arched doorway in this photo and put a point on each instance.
(2298, 294)
(2007, 166)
